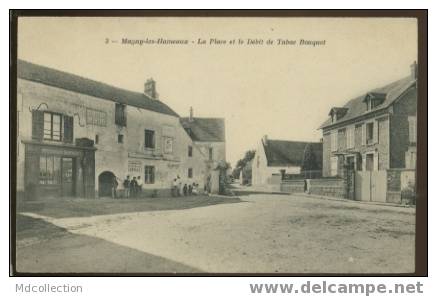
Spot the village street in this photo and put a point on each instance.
(252, 233)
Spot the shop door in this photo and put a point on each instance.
(67, 176)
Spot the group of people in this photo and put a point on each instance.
(132, 187)
(187, 189)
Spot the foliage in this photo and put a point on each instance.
(309, 161)
(248, 156)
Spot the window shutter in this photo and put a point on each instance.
(363, 134)
(68, 129)
(375, 161)
(375, 131)
(37, 125)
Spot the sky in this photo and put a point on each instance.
(283, 91)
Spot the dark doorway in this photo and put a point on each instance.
(68, 173)
(105, 183)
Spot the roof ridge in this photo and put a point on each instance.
(80, 84)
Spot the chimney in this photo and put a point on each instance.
(265, 139)
(150, 89)
(413, 68)
(191, 114)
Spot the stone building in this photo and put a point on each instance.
(375, 131)
(75, 135)
(208, 134)
(279, 158)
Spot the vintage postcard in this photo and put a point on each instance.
(271, 145)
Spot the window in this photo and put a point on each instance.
(350, 137)
(412, 129)
(120, 138)
(120, 114)
(334, 164)
(149, 174)
(52, 126)
(96, 139)
(149, 139)
(334, 141)
(190, 173)
(49, 170)
(190, 151)
(369, 162)
(369, 133)
(210, 155)
(168, 144)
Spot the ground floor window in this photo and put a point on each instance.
(149, 174)
(190, 173)
(49, 170)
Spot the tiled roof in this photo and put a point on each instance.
(71, 82)
(289, 153)
(205, 129)
(357, 106)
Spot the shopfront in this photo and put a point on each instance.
(59, 170)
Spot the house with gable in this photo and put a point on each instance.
(276, 158)
(76, 135)
(208, 136)
(375, 131)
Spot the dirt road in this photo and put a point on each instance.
(263, 233)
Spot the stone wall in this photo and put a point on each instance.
(293, 186)
(328, 187)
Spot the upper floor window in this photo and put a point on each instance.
(334, 141)
(149, 139)
(190, 151)
(350, 137)
(52, 126)
(370, 135)
(412, 129)
(120, 114)
(210, 153)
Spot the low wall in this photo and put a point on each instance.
(328, 187)
(397, 180)
(293, 186)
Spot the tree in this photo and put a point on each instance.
(309, 162)
(241, 163)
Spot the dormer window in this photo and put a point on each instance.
(373, 100)
(337, 113)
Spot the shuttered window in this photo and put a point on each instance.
(120, 114)
(334, 142)
(68, 129)
(412, 130)
(350, 137)
(37, 125)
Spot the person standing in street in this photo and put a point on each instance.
(133, 187)
(114, 187)
(139, 186)
(126, 185)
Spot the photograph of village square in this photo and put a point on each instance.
(216, 145)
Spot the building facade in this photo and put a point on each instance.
(280, 157)
(208, 135)
(75, 135)
(373, 132)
